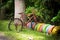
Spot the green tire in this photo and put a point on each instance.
(44, 28)
(37, 26)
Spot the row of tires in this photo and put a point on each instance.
(45, 28)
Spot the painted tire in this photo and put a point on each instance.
(36, 26)
(41, 28)
(55, 30)
(50, 29)
(44, 28)
(33, 26)
(29, 25)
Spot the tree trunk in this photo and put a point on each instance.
(19, 8)
(2, 11)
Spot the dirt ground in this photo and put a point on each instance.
(3, 37)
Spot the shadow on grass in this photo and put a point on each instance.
(52, 37)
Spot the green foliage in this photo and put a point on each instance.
(56, 18)
(28, 10)
(44, 10)
(40, 12)
(8, 5)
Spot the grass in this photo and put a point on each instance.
(25, 34)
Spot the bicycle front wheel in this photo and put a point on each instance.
(15, 25)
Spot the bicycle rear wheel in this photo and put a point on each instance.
(15, 25)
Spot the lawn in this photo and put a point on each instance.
(25, 34)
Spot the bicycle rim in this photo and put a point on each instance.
(12, 26)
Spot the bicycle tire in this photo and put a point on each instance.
(11, 23)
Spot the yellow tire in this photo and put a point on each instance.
(55, 30)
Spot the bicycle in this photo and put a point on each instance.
(19, 23)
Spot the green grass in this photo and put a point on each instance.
(25, 34)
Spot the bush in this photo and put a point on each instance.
(56, 19)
